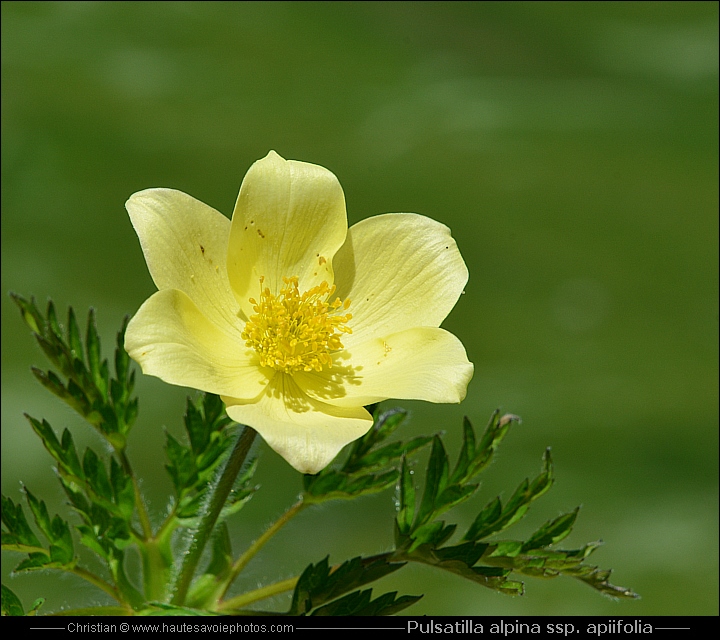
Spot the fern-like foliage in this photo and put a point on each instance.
(109, 514)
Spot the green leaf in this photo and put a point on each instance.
(96, 475)
(406, 507)
(104, 533)
(35, 607)
(452, 496)
(485, 450)
(31, 315)
(495, 518)
(57, 531)
(359, 603)
(551, 532)
(73, 336)
(384, 456)
(197, 428)
(193, 468)
(467, 453)
(104, 386)
(63, 452)
(92, 345)
(181, 467)
(384, 425)
(106, 404)
(549, 563)
(214, 410)
(426, 533)
(369, 468)
(122, 359)
(432, 534)
(48, 437)
(457, 560)
(40, 514)
(53, 327)
(318, 584)
(489, 564)
(90, 539)
(435, 481)
(18, 531)
(11, 605)
(506, 549)
(122, 489)
(70, 461)
(52, 383)
(467, 552)
(206, 424)
(485, 520)
(74, 492)
(599, 579)
(34, 561)
(335, 485)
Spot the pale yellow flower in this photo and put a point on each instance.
(296, 321)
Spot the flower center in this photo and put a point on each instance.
(296, 331)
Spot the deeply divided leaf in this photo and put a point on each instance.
(495, 518)
(84, 382)
(18, 533)
(320, 583)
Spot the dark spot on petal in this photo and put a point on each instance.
(260, 233)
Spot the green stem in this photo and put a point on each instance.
(155, 570)
(112, 591)
(139, 502)
(95, 611)
(218, 497)
(245, 599)
(258, 594)
(242, 561)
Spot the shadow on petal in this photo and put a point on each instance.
(333, 383)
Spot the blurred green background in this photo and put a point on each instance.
(571, 147)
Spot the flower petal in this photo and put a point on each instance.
(399, 270)
(170, 338)
(289, 220)
(307, 433)
(424, 363)
(185, 246)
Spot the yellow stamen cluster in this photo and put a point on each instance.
(294, 331)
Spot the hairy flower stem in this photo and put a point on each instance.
(242, 561)
(218, 497)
